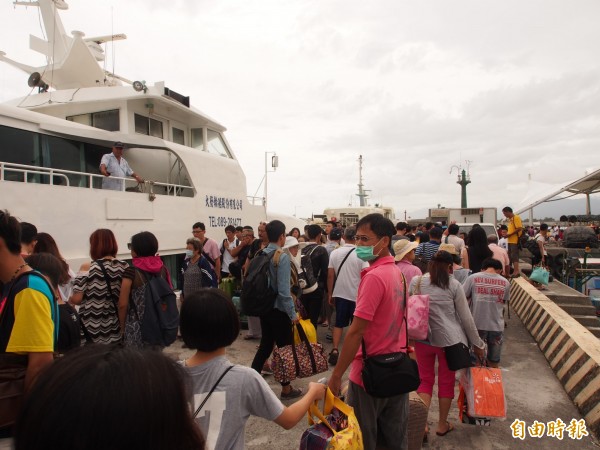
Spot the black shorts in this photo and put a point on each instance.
(344, 312)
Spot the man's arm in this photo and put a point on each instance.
(349, 349)
(330, 277)
(540, 243)
(237, 249)
(284, 271)
(36, 363)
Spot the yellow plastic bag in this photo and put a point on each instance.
(309, 330)
(338, 431)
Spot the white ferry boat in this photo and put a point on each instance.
(51, 143)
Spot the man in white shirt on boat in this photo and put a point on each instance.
(114, 165)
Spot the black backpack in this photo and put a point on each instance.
(258, 297)
(306, 276)
(161, 316)
(533, 247)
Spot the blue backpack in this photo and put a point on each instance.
(161, 316)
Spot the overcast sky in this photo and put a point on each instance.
(415, 87)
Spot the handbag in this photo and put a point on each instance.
(12, 384)
(417, 315)
(390, 374)
(337, 429)
(484, 392)
(540, 275)
(458, 356)
(298, 360)
(309, 330)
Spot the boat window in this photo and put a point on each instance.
(105, 120)
(216, 144)
(148, 126)
(197, 141)
(18, 147)
(178, 136)
(77, 163)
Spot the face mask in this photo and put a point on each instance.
(365, 252)
(189, 253)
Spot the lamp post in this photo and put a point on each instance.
(274, 165)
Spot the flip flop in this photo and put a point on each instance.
(450, 428)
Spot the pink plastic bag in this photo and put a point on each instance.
(417, 316)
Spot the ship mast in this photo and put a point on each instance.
(362, 193)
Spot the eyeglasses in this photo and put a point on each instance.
(196, 231)
(362, 238)
(129, 246)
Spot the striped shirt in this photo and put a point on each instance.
(427, 249)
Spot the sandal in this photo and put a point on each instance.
(293, 393)
(333, 357)
(450, 428)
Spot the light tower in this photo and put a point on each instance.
(362, 192)
(463, 179)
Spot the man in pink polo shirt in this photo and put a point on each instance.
(378, 320)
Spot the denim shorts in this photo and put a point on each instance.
(494, 340)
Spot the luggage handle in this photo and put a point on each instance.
(303, 339)
(331, 401)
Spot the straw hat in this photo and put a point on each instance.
(450, 248)
(402, 247)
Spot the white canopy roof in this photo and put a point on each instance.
(541, 192)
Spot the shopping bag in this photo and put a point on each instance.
(298, 360)
(336, 429)
(417, 314)
(540, 275)
(463, 413)
(309, 330)
(484, 392)
(227, 285)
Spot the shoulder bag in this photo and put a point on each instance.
(390, 374)
(417, 315)
(340, 269)
(458, 356)
(108, 287)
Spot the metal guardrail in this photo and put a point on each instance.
(170, 188)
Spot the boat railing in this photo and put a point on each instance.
(37, 174)
(256, 201)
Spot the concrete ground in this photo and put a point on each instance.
(532, 393)
(531, 387)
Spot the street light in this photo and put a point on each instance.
(274, 165)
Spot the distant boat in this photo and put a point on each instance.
(350, 215)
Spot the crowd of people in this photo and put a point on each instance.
(352, 280)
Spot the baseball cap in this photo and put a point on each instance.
(335, 234)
